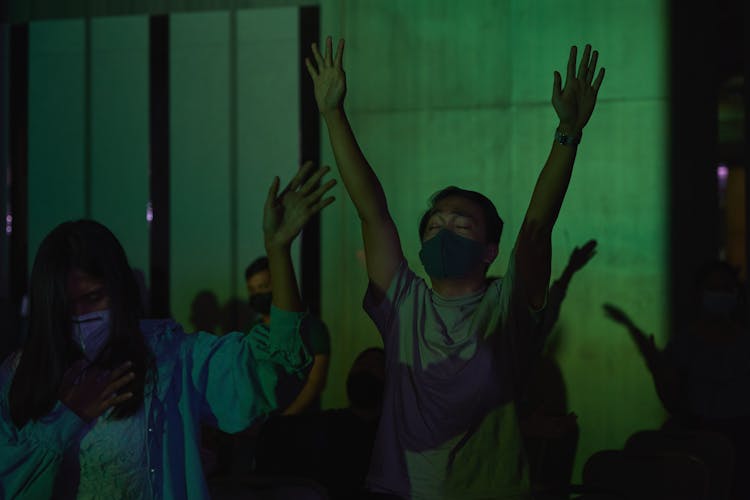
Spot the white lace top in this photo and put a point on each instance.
(109, 461)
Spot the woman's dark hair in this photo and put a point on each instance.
(492, 221)
(49, 349)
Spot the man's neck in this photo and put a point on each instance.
(458, 287)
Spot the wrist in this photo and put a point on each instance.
(569, 129)
(568, 135)
(276, 246)
(336, 112)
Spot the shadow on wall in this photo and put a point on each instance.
(207, 315)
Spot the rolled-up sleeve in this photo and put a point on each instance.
(236, 374)
(30, 457)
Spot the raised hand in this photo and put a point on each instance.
(575, 102)
(286, 213)
(89, 391)
(328, 76)
(581, 256)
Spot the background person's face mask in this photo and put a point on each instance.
(261, 302)
(448, 255)
(91, 331)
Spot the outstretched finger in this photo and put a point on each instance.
(592, 67)
(571, 74)
(272, 192)
(556, 85)
(314, 179)
(340, 54)
(321, 205)
(311, 69)
(317, 56)
(598, 81)
(302, 174)
(584, 65)
(329, 51)
(318, 193)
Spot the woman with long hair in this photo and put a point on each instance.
(101, 403)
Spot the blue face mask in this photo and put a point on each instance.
(719, 303)
(91, 331)
(448, 255)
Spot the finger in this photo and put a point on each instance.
(556, 88)
(321, 205)
(571, 74)
(598, 81)
(118, 372)
(114, 400)
(74, 373)
(318, 194)
(118, 384)
(584, 64)
(302, 174)
(272, 192)
(311, 69)
(329, 51)
(340, 54)
(314, 180)
(316, 55)
(592, 67)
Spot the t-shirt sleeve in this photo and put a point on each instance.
(384, 312)
(30, 457)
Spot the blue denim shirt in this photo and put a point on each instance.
(200, 378)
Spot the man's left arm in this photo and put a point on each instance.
(574, 103)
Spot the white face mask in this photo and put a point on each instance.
(91, 331)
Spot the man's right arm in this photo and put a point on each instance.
(382, 244)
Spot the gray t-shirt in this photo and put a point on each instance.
(454, 369)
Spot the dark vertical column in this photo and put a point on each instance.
(5, 311)
(309, 31)
(746, 160)
(19, 125)
(159, 165)
(87, 118)
(233, 168)
(694, 208)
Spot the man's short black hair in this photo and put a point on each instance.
(492, 221)
(256, 266)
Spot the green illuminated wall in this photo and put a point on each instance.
(458, 93)
(226, 145)
(89, 137)
(88, 156)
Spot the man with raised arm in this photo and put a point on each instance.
(456, 353)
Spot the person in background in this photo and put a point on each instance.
(315, 335)
(702, 376)
(100, 403)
